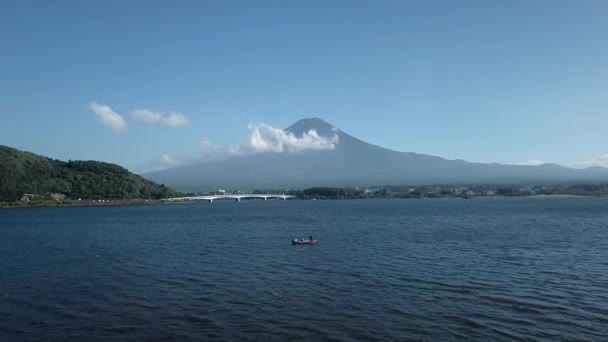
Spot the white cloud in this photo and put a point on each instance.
(177, 119)
(174, 119)
(108, 117)
(214, 152)
(535, 162)
(207, 152)
(601, 161)
(144, 115)
(265, 138)
(167, 159)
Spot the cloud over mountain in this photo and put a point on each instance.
(263, 138)
(108, 118)
(534, 162)
(601, 161)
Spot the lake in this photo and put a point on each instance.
(428, 270)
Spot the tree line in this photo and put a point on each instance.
(26, 173)
(446, 190)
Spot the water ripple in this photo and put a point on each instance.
(450, 270)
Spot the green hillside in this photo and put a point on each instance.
(23, 172)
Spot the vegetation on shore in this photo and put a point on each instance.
(46, 202)
(45, 180)
(27, 179)
(449, 191)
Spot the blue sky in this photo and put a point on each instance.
(488, 81)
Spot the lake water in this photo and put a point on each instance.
(428, 270)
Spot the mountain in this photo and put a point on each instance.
(23, 172)
(354, 162)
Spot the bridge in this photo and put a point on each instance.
(236, 197)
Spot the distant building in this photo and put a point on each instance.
(58, 197)
(27, 197)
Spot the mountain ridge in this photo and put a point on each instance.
(354, 162)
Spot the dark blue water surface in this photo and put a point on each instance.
(496, 269)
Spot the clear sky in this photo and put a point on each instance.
(490, 81)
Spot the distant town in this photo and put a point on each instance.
(430, 191)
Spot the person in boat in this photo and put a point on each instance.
(311, 238)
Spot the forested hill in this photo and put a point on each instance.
(27, 173)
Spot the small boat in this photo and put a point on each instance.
(303, 242)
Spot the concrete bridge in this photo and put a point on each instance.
(236, 197)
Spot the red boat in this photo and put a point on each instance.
(303, 242)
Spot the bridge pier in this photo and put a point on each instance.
(210, 201)
(265, 199)
(238, 199)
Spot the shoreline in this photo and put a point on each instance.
(92, 203)
(5, 205)
(562, 196)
